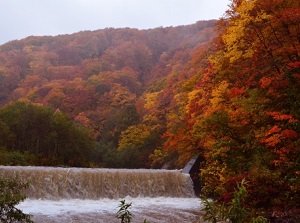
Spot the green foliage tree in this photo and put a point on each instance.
(16, 158)
(49, 135)
(10, 196)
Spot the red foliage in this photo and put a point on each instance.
(231, 187)
(289, 134)
(236, 92)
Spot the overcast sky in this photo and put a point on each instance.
(22, 18)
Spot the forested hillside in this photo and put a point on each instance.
(106, 81)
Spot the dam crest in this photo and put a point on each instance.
(55, 183)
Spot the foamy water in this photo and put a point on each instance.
(53, 183)
(92, 195)
(155, 210)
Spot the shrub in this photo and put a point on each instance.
(124, 214)
(10, 196)
(16, 158)
(234, 211)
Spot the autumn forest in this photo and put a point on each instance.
(226, 90)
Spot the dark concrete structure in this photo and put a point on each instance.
(193, 168)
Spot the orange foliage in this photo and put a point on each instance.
(274, 129)
(281, 117)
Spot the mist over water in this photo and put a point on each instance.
(93, 195)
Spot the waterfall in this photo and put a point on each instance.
(54, 183)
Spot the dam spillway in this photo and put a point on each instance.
(54, 183)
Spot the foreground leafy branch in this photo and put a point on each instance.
(10, 196)
(124, 213)
(234, 211)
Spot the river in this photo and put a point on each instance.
(65, 195)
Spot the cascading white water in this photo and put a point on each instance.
(60, 194)
(85, 183)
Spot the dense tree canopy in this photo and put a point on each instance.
(100, 80)
(48, 135)
(240, 109)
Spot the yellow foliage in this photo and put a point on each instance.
(214, 178)
(193, 95)
(3, 71)
(134, 135)
(151, 120)
(235, 38)
(219, 94)
(151, 99)
(82, 119)
(196, 98)
(120, 96)
(55, 97)
(19, 93)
